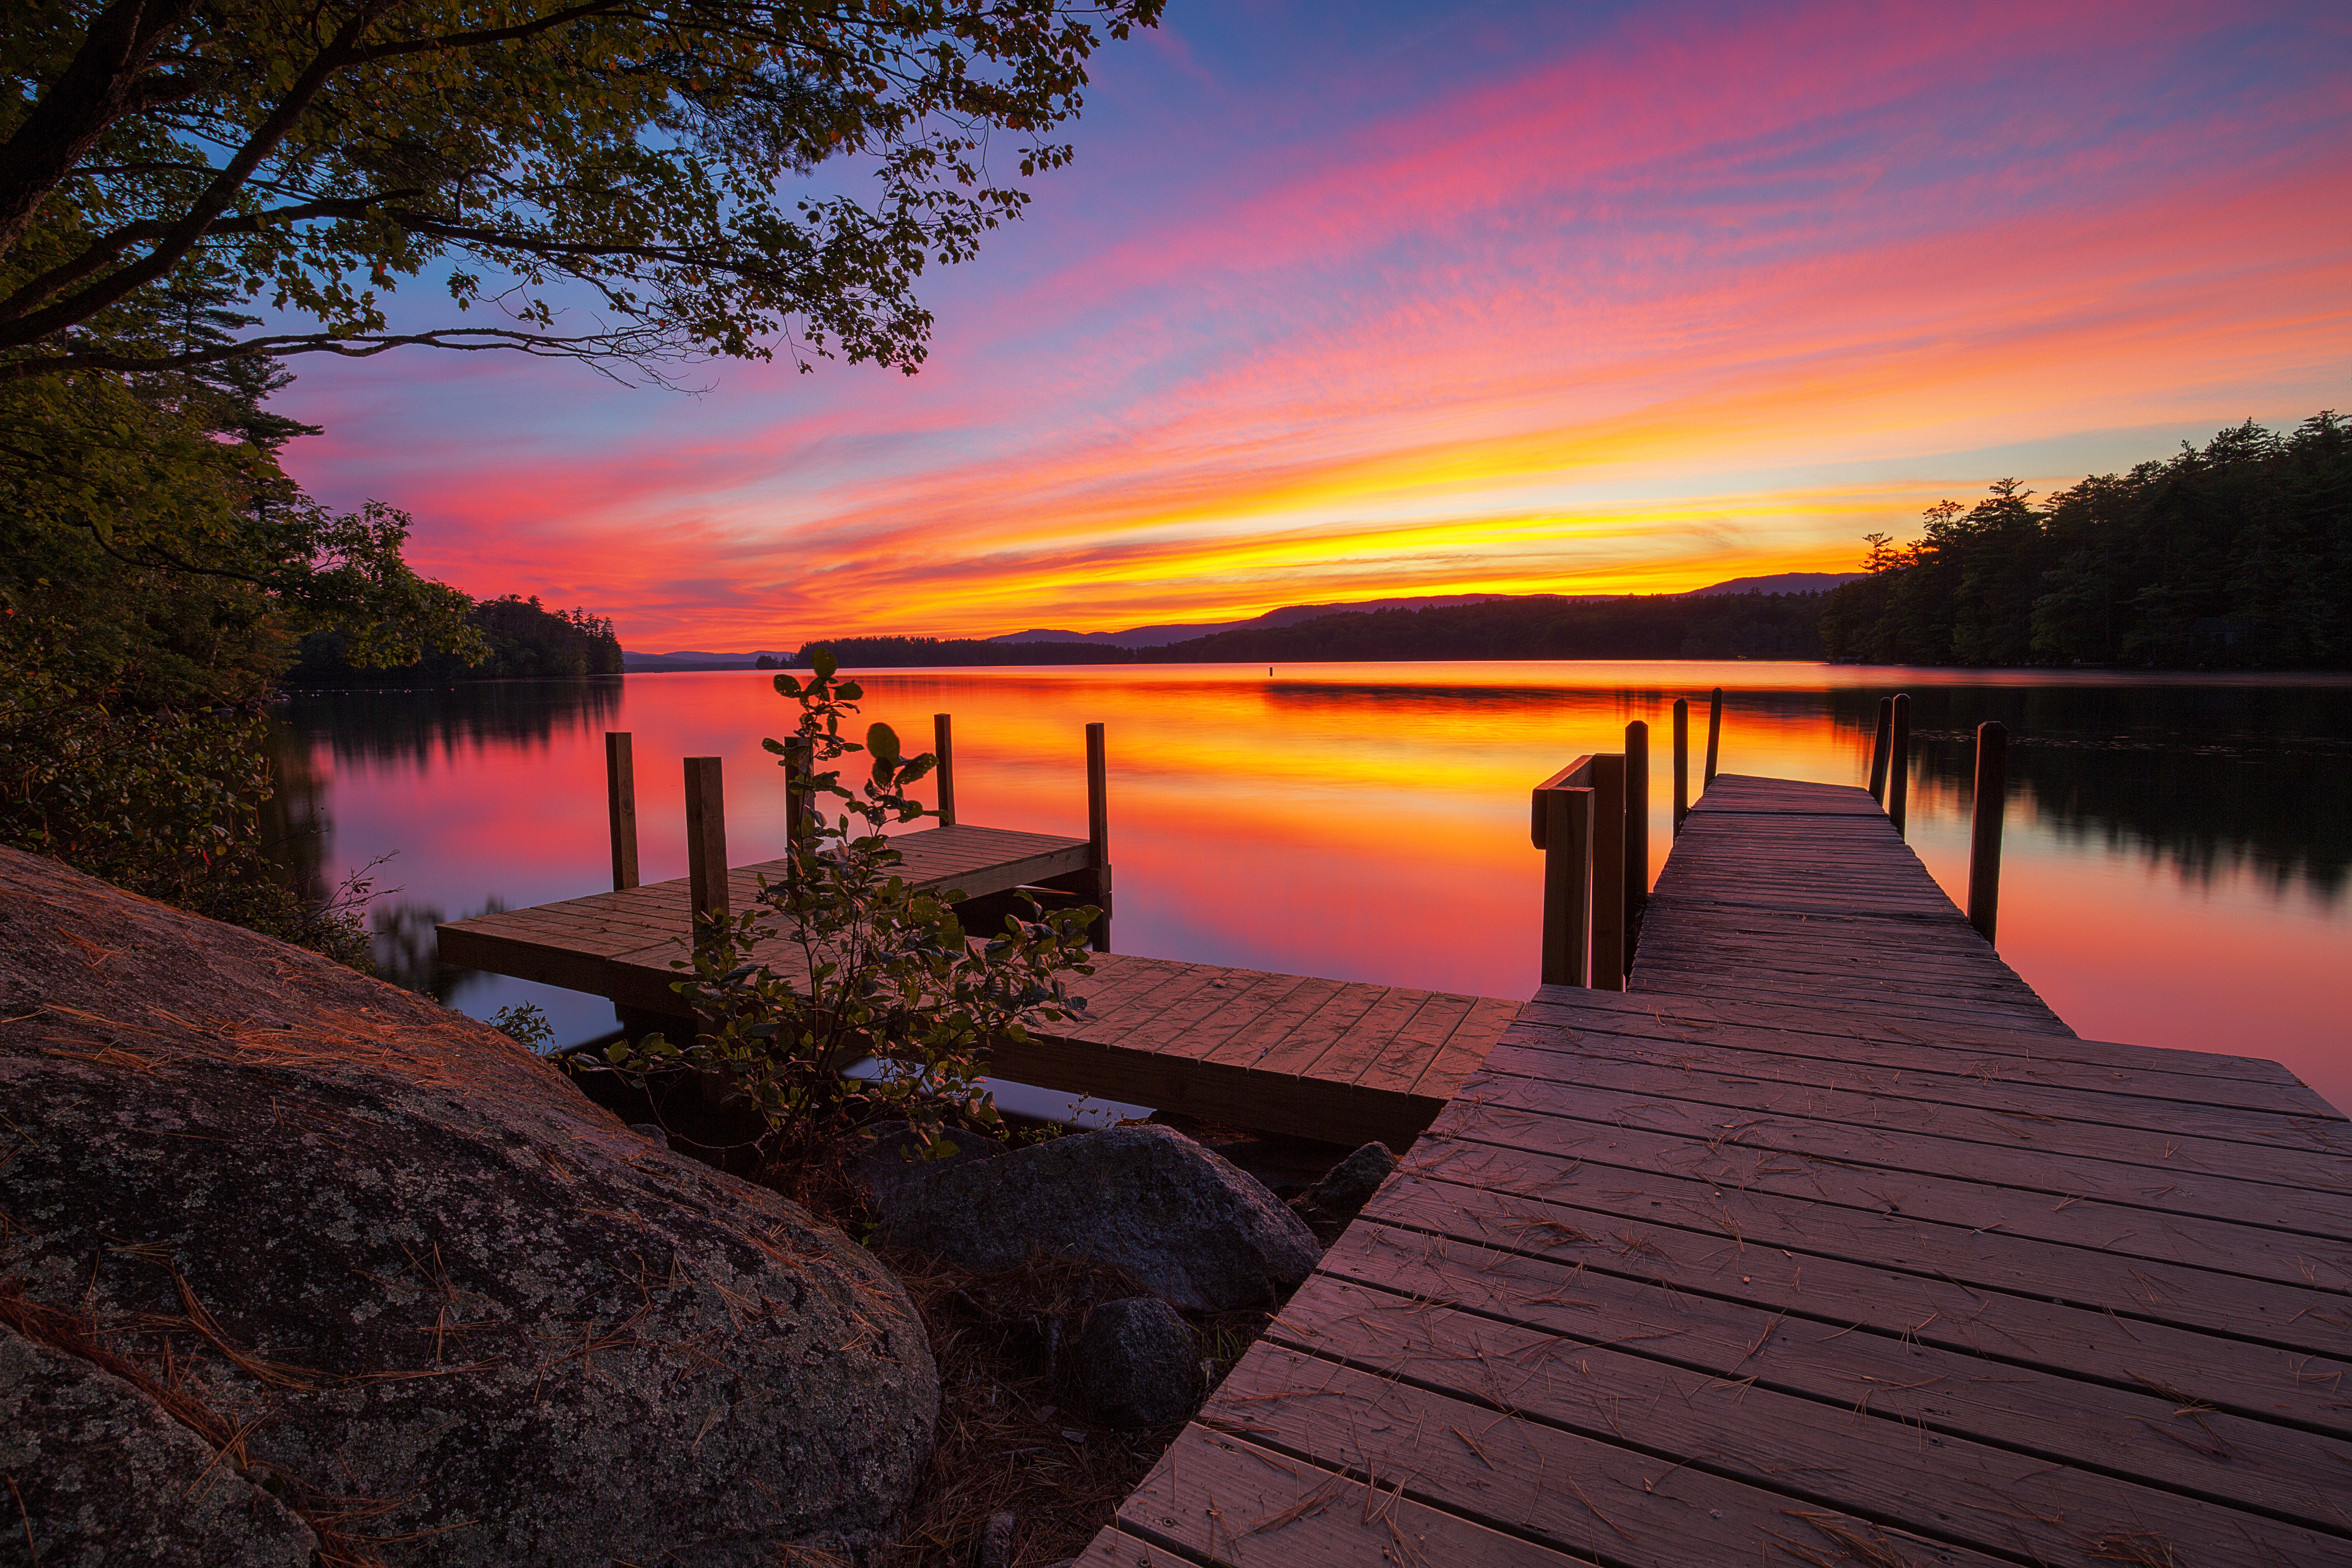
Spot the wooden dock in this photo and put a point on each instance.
(1345, 1061)
(1826, 1242)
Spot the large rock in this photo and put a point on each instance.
(1137, 1364)
(100, 1475)
(1348, 1185)
(436, 1280)
(1185, 1223)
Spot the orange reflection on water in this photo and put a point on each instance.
(1370, 822)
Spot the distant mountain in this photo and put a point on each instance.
(651, 663)
(1784, 582)
(1294, 614)
(1290, 615)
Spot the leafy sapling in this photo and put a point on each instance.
(843, 961)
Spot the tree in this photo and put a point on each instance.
(627, 181)
(2238, 553)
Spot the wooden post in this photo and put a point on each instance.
(1898, 761)
(1879, 749)
(1714, 736)
(706, 840)
(1984, 831)
(1637, 831)
(1682, 763)
(1608, 777)
(943, 746)
(1098, 832)
(1568, 866)
(621, 806)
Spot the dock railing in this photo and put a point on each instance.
(1579, 817)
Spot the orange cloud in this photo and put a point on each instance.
(1698, 297)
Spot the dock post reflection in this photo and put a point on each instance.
(1714, 735)
(1984, 827)
(1898, 763)
(1682, 763)
(1637, 831)
(1879, 749)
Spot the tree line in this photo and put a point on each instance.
(1719, 626)
(522, 640)
(2237, 554)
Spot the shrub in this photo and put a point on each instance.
(843, 960)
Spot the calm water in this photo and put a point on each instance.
(2175, 870)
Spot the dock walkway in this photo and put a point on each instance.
(1345, 1061)
(1826, 1243)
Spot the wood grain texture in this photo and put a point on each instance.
(1828, 1242)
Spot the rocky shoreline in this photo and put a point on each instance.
(297, 1266)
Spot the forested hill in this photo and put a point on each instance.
(1727, 626)
(525, 639)
(2238, 556)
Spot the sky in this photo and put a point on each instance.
(1350, 300)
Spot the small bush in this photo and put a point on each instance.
(843, 960)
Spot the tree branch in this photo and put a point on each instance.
(183, 234)
(637, 345)
(107, 248)
(96, 88)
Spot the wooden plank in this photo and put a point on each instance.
(1989, 1118)
(1514, 1107)
(1409, 1048)
(1218, 1498)
(1362, 1044)
(1304, 1044)
(1466, 1048)
(1450, 1449)
(1615, 1382)
(2108, 1096)
(2238, 1463)
(1247, 1046)
(2127, 1233)
(2278, 1359)
(1562, 1004)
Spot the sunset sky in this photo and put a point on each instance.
(1351, 300)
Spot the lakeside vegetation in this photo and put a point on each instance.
(519, 639)
(2236, 555)
(1719, 626)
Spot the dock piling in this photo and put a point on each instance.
(1898, 763)
(1568, 869)
(1878, 751)
(706, 841)
(1682, 763)
(621, 806)
(1984, 831)
(943, 747)
(1098, 832)
(1608, 784)
(1714, 735)
(1637, 831)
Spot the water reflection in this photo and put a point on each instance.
(2198, 779)
(2177, 853)
(412, 724)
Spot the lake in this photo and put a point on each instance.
(2174, 871)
